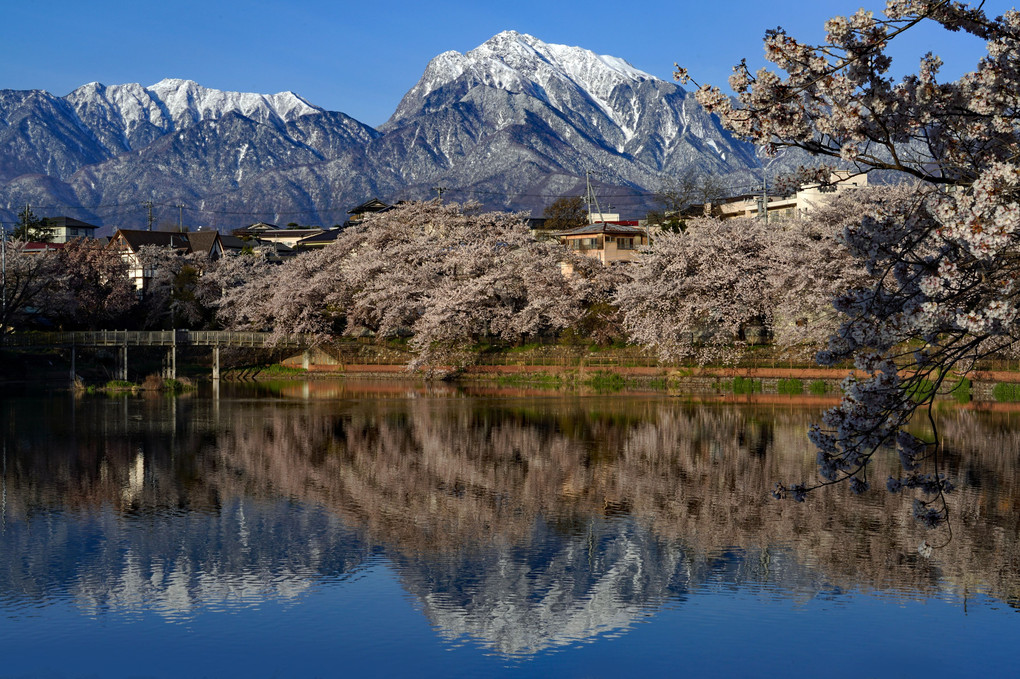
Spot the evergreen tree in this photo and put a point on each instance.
(30, 228)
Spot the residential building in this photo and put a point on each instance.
(130, 241)
(64, 229)
(779, 207)
(371, 206)
(319, 240)
(606, 241)
(270, 234)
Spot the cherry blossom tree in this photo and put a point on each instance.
(239, 288)
(442, 275)
(91, 288)
(27, 281)
(693, 291)
(945, 263)
(172, 298)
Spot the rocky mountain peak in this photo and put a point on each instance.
(512, 121)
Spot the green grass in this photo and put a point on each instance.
(790, 386)
(818, 387)
(278, 369)
(175, 386)
(659, 383)
(1006, 392)
(115, 385)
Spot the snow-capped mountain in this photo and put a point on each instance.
(556, 74)
(131, 116)
(556, 111)
(512, 123)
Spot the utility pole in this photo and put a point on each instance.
(148, 205)
(591, 197)
(180, 218)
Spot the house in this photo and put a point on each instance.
(778, 208)
(270, 234)
(130, 241)
(606, 241)
(255, 230)
(358, 214)
(232, 245)
(64, 229)
(319, 240)
(207, 242)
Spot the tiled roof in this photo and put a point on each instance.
(373, 205)
(231, 242)
(69, 222)
(603, 227)
(137, 238)
(324, 237)
(203, 241)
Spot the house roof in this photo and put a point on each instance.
(36, 247)
(603, 228)
(231, 242)
(323, 238)
(203, 241)
(288, 234)
(69, 222)
(137, 238)
(372, 205)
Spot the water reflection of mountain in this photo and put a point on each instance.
(174, 563)
(565, 586)
(525, 525)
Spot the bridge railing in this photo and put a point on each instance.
(164, 338)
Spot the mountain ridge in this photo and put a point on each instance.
(513, 113)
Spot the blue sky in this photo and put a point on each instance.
(361, 57)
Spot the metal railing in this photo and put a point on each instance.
(152, 338)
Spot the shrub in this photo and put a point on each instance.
(120, 384)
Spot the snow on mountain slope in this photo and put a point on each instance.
(518, 62)
(497, 123)
(138, 114)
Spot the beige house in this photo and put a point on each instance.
(605, 241)
(776, 208)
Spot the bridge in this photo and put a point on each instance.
(171, 339)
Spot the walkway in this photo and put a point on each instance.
(171, 339)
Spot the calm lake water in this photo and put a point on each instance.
(329, 529)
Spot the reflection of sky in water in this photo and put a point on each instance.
(447, 537)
